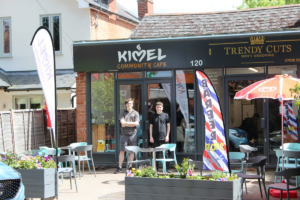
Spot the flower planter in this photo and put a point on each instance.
(39, 183)
(178, 189)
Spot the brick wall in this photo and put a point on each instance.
(109, 27)
(81, 106)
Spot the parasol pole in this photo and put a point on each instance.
(282, 133)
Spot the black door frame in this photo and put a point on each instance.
(261, 76)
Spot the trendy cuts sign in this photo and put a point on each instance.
(215, 155)
(178, 53)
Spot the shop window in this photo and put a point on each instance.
(245, 70)
(275, 112)
(5, 37)
(102, 112)
(53, 23)
(158, 74)
(185, 113)
(122, 75)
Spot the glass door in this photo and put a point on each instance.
(245, 122)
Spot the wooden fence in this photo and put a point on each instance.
(23, 130)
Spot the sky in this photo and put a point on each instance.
(185, 6)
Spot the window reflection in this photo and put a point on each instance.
(102, 112)
(185, 111)
(6, 28)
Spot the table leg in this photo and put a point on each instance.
(154, 161)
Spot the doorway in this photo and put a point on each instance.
(245, 122)
(146, 94)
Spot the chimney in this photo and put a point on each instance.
(144, 7)
(112, 5)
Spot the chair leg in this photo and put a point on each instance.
(89, 166)
(93, 166)
(276, 171)
(246, 187)
(82, 168)
(71, 180)
(280, 194)
(260, 188)
(74, 178)
(79, 169)
(288, 192)
(264, 184)
(268, 196)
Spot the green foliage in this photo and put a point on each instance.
(145, 172)
(296, 93)
(11, 159)
(102, 97)
(184, 167)
(265, 3)
(28, 162)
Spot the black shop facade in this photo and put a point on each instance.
(164, 69)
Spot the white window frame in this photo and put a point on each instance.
(27, 100)
(51, 27)
(2, 54)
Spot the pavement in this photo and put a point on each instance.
(109, 186)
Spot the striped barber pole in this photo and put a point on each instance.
(290, 121)
(215, 155)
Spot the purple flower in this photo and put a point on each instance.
(4, 158)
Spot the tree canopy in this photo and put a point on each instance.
(265, 3)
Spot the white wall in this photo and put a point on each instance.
(6, 98)
(25, 19)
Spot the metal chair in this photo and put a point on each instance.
(79, 144)
(240, 157)
(198, 165)
(289, 156)
(164, 160)
(61, 170)
(112, 141)
(282, 186)
(135, 150)
(259, 162)
(79, 158)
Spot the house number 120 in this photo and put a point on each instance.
(197, 62)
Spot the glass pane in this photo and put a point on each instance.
(156, 74)
(20, 103)
(290, 114)
(133, 91)
(130, 75)
(45, 21)
(35, 102)
(245, 119)
(158, 92)
(6, 28)
(185, 111)
(249, 70)
(102, 112)
(215, 75)
(56, 30)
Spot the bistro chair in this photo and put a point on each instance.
(112, 141)
(282, 186)
(135, 150)
(164, 160)
(197, 165)
(259, 162)
(62, 170)
(238, 157)
(289, 156)
(79, 144)
(84, 158)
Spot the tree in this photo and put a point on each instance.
(265, 3)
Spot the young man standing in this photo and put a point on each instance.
(160, 128)
(129, 120)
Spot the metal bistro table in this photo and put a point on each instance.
(153, 150)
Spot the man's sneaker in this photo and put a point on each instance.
(118, 170)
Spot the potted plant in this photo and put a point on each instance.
(145, 183)
(38, 174)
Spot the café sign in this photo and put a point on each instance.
(258, 50)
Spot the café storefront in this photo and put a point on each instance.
(151, 70)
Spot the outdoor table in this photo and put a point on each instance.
(153, 150)
(43, 152)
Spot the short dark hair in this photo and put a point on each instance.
(159, 104)
(127, 100)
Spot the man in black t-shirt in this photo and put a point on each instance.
(160, 128)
